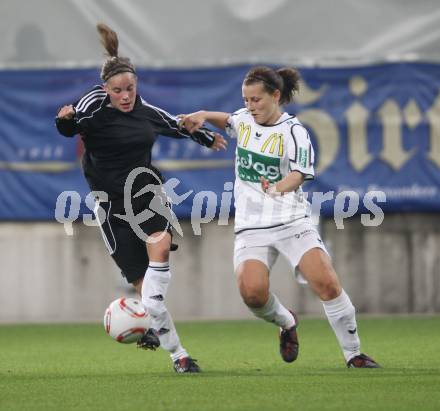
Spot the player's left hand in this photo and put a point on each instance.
(264, 183)
(270, 190)
(219, 143)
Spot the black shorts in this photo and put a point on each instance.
(127, 249)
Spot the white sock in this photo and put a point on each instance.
(273, 311)
(154, 289)
(341, 316)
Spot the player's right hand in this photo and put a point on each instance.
(219, 143)
(66, 112)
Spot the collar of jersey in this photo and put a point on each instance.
(284, 117)
(106, 102)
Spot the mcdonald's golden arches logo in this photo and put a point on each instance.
(244, 130)
(274, 140)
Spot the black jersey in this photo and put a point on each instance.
(117, 142)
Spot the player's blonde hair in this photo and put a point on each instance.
(285, 79)
(114, 64)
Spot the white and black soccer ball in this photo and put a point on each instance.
(126, 320)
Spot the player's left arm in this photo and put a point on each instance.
(289, 183)
(301, 158)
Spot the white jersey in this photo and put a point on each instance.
(273, 152)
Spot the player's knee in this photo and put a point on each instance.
(254, 292)
(161, 254)
(253, 297)
(159, 251)
(329, 290)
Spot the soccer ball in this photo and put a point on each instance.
(126, 320)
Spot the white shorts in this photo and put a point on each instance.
(292, 241)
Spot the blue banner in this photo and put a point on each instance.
(374, 128)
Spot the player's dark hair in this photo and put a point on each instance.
(114, 64)
(285, 79)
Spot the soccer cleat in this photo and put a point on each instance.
(186, 364)
(362, 361)
(149, 341)
(289, 345)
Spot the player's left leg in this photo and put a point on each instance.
(130, 255)
(154, 289)
(317, 269)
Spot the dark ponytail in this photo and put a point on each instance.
(109, 39)
(114, 64)
(286, 80)
(290, 78)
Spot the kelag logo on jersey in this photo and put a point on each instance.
(252, 166)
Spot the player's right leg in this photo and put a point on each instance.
(149, 341)
(253, 282)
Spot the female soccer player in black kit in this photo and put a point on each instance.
(119, 129)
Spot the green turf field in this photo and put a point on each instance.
(67, 367)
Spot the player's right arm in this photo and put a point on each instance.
(65, 122)
(194, 121)
(77, 117)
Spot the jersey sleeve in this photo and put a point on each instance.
(300, 152)
(232, 123)
(67, 128)
(168, 125)
(84, 108)
(88, 105)
(231, 129)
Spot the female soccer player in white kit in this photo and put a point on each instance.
(274, 156)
